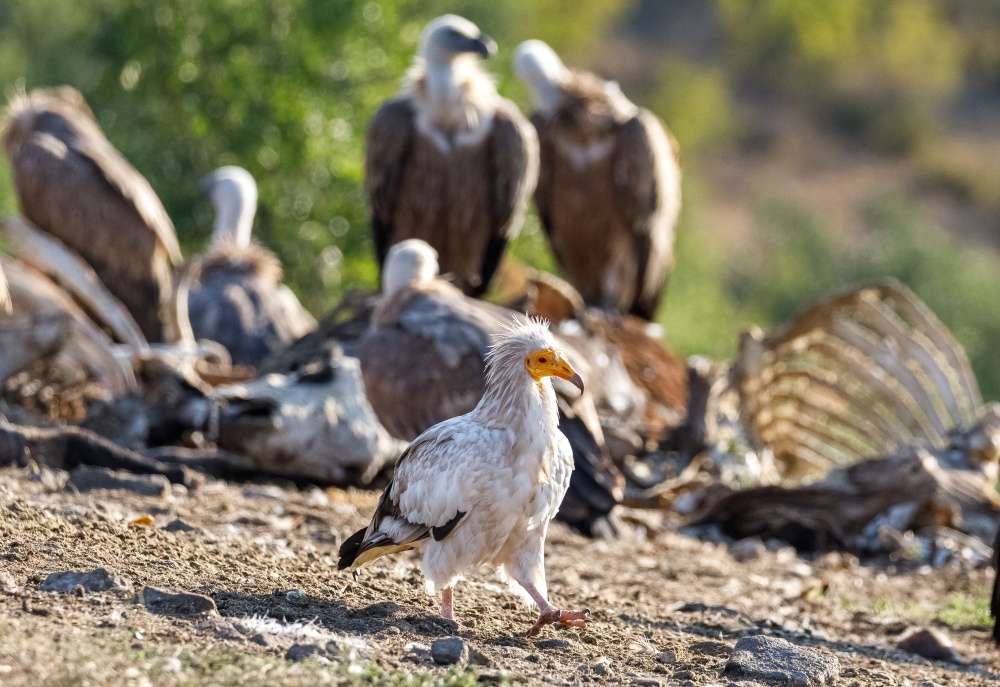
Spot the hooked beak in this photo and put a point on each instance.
(484, 46)
(555, 365)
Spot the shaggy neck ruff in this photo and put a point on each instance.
(453, 97)
(514, 400)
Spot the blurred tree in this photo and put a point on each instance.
(284, 88)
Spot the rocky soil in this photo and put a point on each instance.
(237, 585)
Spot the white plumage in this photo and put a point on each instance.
(481, 488)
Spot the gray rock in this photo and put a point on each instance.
(180, 526)
(299, 652)
(99, 580)
(776, 660)
(554, 644)
(749, 549)
(87, 478)
(666, 657)
(260, 639)
(173, 602)
(601, 666)
(449, 651)
(8, 585)
(646, 682)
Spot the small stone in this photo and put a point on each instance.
(300, 652)
(491, 677)
(646, 682)
(775, 660)
(261, 639)
(297, 597)
(666, 657)
(8, 585)
(180, 526)
(174, 602)
(749, 549)
(554, 644)
(601, 666)
(99, 580)
(449, 651)
(929, 643)
(87, 478)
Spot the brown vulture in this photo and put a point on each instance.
(235, 295)
(448, 160)
(72, 183)
(423, 361)
(609, 186)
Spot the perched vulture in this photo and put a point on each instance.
(609, 187)
(72, 183)
(235, 294)
(481, 488)
(424, 360)
(448, 160)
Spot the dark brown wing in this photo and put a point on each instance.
(514, 157)
(72, 183)
(642, 157)
(425, 362)
(390, 136)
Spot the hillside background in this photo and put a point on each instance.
(825, 143)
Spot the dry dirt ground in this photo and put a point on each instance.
(667, 608)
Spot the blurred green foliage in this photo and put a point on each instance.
(285, 88)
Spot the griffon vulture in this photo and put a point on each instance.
(72, 183)
(448, 160)
(424, 361)
(609, 189)
(235, 294)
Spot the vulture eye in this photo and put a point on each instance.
(543, 360)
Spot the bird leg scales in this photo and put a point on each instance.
(549, 614)
(447, 604)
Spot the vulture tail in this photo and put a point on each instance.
(350, 549)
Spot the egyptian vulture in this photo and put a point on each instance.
(423, 360)
(448, 160)
(235, 294)
(609, 187)
(72, 183)
(480, 489)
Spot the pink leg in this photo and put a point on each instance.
(447, 604)
(549, 614)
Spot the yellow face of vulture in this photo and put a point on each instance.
(549, 362)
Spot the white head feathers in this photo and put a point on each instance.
(409, 263)
(540, 68)
(233, 192)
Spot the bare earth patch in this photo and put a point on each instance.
(666, 608)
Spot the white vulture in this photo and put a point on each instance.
(235, 294)
(423, 361)
(448, 160)
(609, 191)
(480, 489)
(72, 183)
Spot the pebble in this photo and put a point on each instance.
(554, 644)
(8, 585)
(646, 682)
(260, 639)
(99, 580)
(601, 666)
(299, 652)
(929, 643)
(775, 660)
(449, 651)
(180, 526)
(174, 602)
(666, 657)
(87, 478)
(749, 549)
